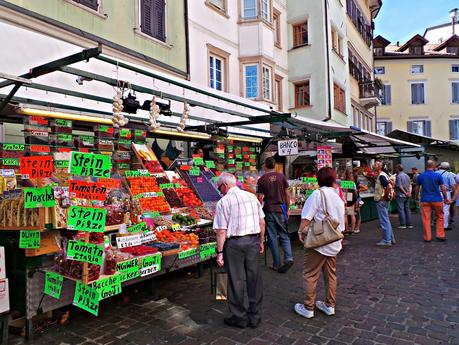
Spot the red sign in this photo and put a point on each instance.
(39, 148)
(185, 167)
(110, 183)
(39, 120)
(81, 149)
(36, 166)
(64, 149)
(87, 190)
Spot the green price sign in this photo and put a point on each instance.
(207, 250)
(107, 287)
(86, 298)
(252, 149)
(137, 173)
(347, 185)
(231, 161)
(253, 156)
(247, 164)
(309, 179)
(125, 133)
(229, 148)
(141, 227)
(63, 123)
(65, 137)
(13, 147)
(86, 139)
(239, 165)
(195, 172)
(215, 179)
(90, 164)
(240, 178)
(29, 239)
(166, 185)
(86, 252)
(231, 170)
(210, 164)
(10, 161)
(129, 269)
(187, 253)
(175, 227)
(309, 192)
(86, 219)
(38, 197)
(238, 156)
(61, 164)
(198, 161)
(150, 265)
(53, 284)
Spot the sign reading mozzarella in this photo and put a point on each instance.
(90, 164)
(287, 147)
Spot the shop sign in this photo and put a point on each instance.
(90, 164)
(107, 287)
(207, 250)
(86, 298)
(10, 161)
(87, 190)
(347, 185)
(38, 197)
(39, 148)
(287, 147)
(210, 164)
(129, 269)
(86, 252)
(53, 284)
(128, 241)
(13, 147)
(140, 227)
(86, 219)
(187, 253)
(29, 239)
(36, 166)
(150, 264)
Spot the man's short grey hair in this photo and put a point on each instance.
(444, 165)
(227, 178)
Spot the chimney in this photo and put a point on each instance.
(453, 16)
(398, 43)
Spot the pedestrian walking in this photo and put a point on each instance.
(383, 191)
(450, 185)
(361, 187)
(239, 224)
(431, 187)
(415, 174)
(274, 189)
(350, 199)
(403, 190)
(322, 201)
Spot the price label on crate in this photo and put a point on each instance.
(141, 227)
(166, 185)
(86, 298)
(187, 253)
(229, 148)
(38, 197)
(150, 264)
(86, 252)
(207, 250)
(176, 226)
(86, 219)
(110, 183)
(147, 237)
(129, 269)
(29, 239)
(232, 170)
(128, 241)
(107, 287)
(238, 156)
(36, 166)
(309, 179)
(53, 284)
(90, 164)
(61, 164)
(347, 184)
(231, 161)
(239, 165)
(198, 161)
(10, 161)
(13, 147)
(195, 172)
(247, 164)
(240, 178)
(210, 164)
(161, 228)
(39, 148)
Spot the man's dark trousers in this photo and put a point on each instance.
(241, 256)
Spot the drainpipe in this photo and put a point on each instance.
(327, 50)
(187, 40)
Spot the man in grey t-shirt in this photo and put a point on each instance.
(403, 192)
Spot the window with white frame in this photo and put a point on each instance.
(454, 129)
(417, 93)
(266, 10)
(219, 3)
(455, 92)
(415, 69)
(266, 82)
(250, 9)
(251, 81)
(420, 127)
(153, 18)
(455, 68)
(383, 127)
(337, 42)
(216, 72)
(380, 70)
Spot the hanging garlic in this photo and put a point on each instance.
(154, 114)
(118, 119)
(185, 114)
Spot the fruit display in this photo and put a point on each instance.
(186, 241)
(188, 197)
(185, 220)
(202, 212)
(163, 221)
(153, 204)
(172, 198)
(139, 185)
(140, 250)
(163, 246)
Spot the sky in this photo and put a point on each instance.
(399, 20)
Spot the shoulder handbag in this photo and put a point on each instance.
(323, 232)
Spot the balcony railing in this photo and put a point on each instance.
(370, 93)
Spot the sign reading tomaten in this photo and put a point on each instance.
(86, 252)
(36, 166)
(87, 190)
(90, 164)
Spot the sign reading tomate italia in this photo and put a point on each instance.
(86, 252)
(36, 166)
(53, 284)
(38, 197)
(90, 164)
(86, 219)
(87, 190)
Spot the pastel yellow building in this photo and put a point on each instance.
(421, 86)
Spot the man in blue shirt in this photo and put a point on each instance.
(431, 186)
(450, 185)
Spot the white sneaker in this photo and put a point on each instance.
(300, 309)
(326, 309)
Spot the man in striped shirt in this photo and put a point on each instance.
(240, 227)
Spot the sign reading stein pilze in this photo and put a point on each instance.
(287, 147)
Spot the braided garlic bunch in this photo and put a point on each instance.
(118, 119)
(185, 114)
(154, 114)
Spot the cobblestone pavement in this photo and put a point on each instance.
(406, 294)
